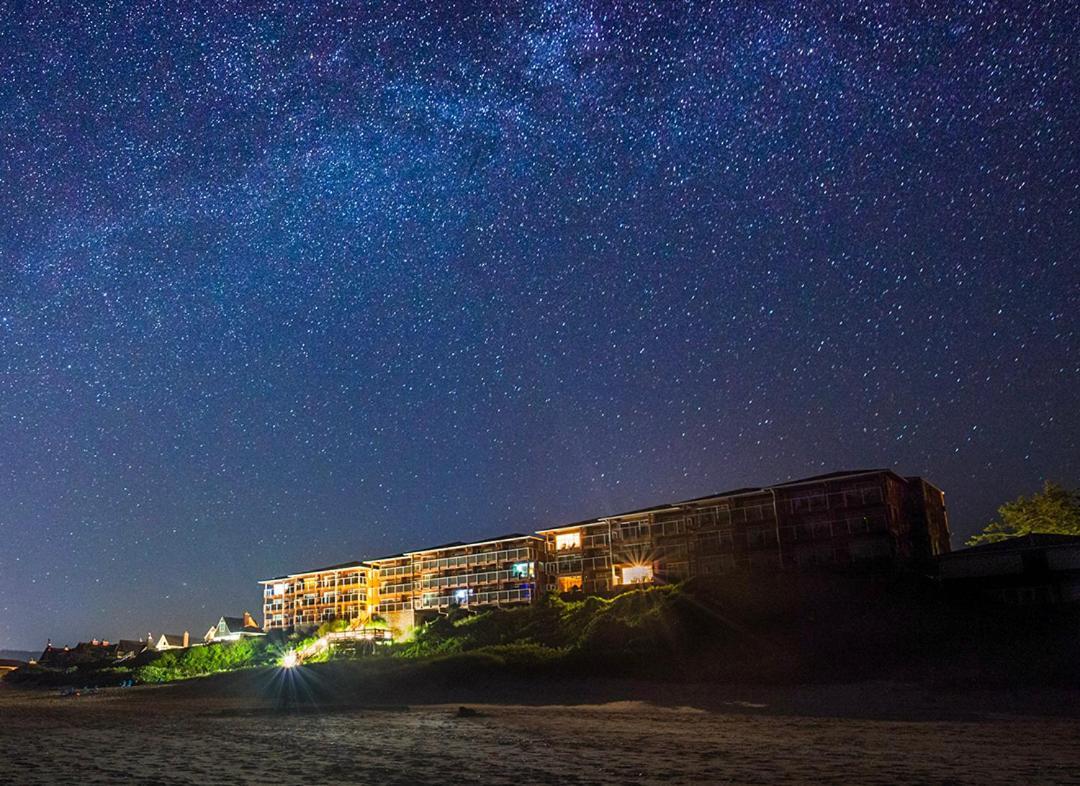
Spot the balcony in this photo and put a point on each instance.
(470, 560)
(525, 573)
(394, 605)
(396, 571)
(476, 599)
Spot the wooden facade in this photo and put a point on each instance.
(312, 597)
(861, 518)
(839, 520)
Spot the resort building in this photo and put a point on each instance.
(501, 571)
(839, 520)
(315, 596)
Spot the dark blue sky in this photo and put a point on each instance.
(286, 286)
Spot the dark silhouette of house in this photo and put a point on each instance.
(1030, 569)
(129, 648)
(83, 653)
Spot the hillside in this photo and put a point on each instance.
(773, 630)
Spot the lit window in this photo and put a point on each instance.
(569, 540)
(461, 596)
(279, 589)
(522, 570)
(569, 583)
(637, 574)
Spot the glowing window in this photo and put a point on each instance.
(637, 574)
(279, 589)
(569, 583)
(522, 570)
(569, 540)
(461, 596)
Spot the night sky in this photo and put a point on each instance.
(288, 285)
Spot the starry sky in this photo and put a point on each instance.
(289, 284)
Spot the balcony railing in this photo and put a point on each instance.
(397, 570)
(394, 605)
(466, 579)
(483, 558)
(477, 599)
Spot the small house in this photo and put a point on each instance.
(130, 648)
(233, 628)
(172, 641)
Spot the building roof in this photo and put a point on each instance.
(236, 624)
(451, 545)
(172, 639)
(733, 493)
(459, 544)
(387, 558)
(921, 479)
(131, 645)
(1029, 542)
(327, 569)
(83, 652)
(577, 524)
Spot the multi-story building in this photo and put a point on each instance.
(841, 519)
(396, 585)
(314, 596)
(502, 571)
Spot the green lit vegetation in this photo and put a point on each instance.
(553, 632)
(655, 620)
(198, 661)
(773, 629)
(1053, 511)
(211, 659)
(156, 667)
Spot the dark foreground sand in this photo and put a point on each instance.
(867, 734)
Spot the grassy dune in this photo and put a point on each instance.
(773, 630)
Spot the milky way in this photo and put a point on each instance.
(285, 285)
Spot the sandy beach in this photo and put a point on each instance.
(870, 734)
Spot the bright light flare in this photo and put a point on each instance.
(289, 660)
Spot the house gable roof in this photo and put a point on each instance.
(236, 625)
(327, 569)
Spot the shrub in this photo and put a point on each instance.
(638, 623)
(209, 659)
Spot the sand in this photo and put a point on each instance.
(868, 734)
